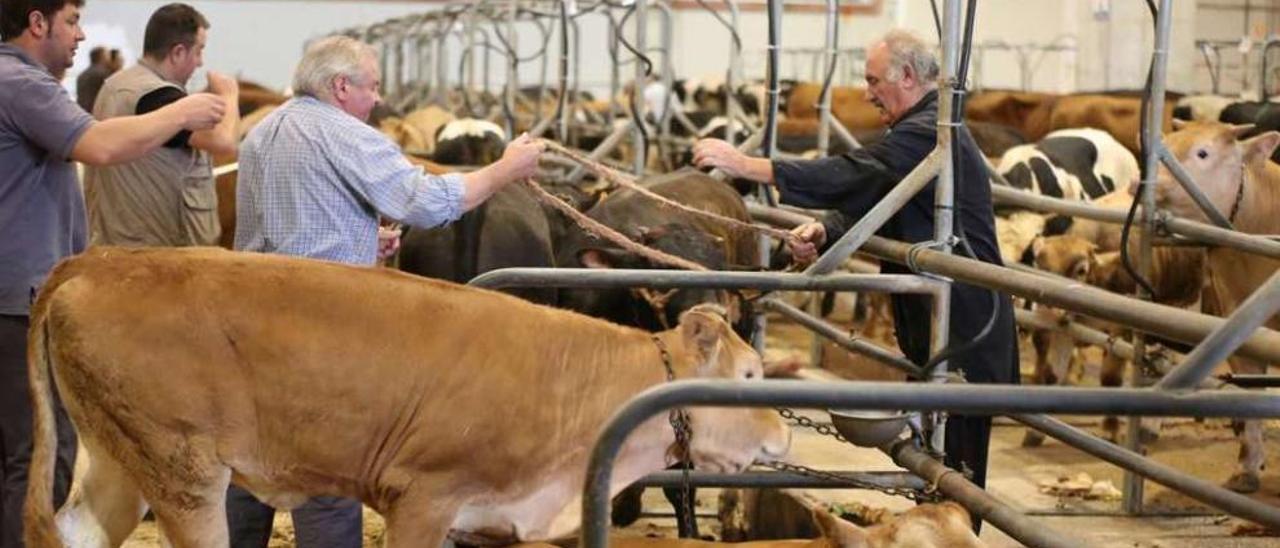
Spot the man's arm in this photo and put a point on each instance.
(130, 137)
(519, 161)
(221, 139)
(714, 153)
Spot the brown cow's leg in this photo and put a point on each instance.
(1252, 451)
(415, 520)
(1043, 376)
(1112, 375)
(105, 507)
(196, 515)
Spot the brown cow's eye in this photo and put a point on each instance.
(750, 374)
(1202, 154)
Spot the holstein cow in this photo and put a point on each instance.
(1073, 164)
(1241, 182)
(944, 525)
(469, 142)
(1265, 116)
(184, 370)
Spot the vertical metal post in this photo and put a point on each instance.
(513, 85)
(944, 197)
(442, 63)
(824, 107)
(637, 96)
(668, 78)
(1133, 483)
(775, 45)
(731, 78)
(615, 78)
(470, 30)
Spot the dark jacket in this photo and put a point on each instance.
(854, 182)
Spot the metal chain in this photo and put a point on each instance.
(930, 494)
(926, 495)
(679, 419)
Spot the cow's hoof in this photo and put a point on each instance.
(1243, 482)
(1032, 438)
(627, 506)
(1148, 435)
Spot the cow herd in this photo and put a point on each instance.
(256, 332)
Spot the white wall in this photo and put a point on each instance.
(261, 40)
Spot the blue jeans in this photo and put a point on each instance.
(321, 522)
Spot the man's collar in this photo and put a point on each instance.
(9, 48)
(928, 99)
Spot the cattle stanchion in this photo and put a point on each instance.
(967, 399)
(787, 480)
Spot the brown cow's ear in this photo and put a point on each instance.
(702, 329)
(1261, 146)
(841, 533)
(1179, 124)
(1239, 130)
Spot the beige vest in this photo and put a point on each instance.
(165, 198)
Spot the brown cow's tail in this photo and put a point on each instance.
(40, 529)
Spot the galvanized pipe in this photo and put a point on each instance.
(1202, 232)
(594, 278)
(1203, 491)
(888, 206)
(784, 480)
(979, 503)
(965, 399)
(844, 340)
(603, 149)
(1259, 308)
(1188, 184)
(824, 106)
(1166, 321)
(637, 95)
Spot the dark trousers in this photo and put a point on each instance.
(15, 432)
(966, 446)
(321, 522)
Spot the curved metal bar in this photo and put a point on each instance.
(965, 399)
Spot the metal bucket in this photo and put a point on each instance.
(869, 428)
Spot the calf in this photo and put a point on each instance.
(1240, 180)
(186, 370)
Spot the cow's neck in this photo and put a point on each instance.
(1259, 211)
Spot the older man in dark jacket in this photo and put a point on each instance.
(901, 76)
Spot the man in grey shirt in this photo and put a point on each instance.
(42, 214)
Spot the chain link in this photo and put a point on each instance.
(927, 495)
(679, 420)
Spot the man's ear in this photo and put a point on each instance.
(38, 24)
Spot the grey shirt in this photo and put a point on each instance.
(42, 217)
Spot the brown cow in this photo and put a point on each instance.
(1243, 184)
(848, 105)
(443, 407)
(944, 525)
(1037, 114)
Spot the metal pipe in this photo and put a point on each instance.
(668, 79)
(603, 149)
(844, 340)
(594, 278)
(1203, 491)
(1188, 184)
(980, 503)
(784, 480)
(1260, 307)
(1202, 232)
(513, 63)
(1166, 321)
(770, 141)
(888, 206)
(637, 95)
(824, 106)
(965, 399)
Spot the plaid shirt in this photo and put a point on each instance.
(313, 180)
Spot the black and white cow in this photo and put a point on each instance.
(469, 142)
(1073, 164)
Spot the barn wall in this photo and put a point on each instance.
(262, 39)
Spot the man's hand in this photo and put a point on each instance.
(200, 111)
(520, 159)
(714, 153)
(223, 85)
(809, 237)
(388, 242)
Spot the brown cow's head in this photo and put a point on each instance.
(1216, 160)
(1069, 256)
(725, 439)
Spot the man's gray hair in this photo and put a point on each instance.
(329, 58)
(907, 49)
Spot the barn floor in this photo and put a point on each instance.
(1206, 450)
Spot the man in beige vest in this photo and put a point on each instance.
(167, 197)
